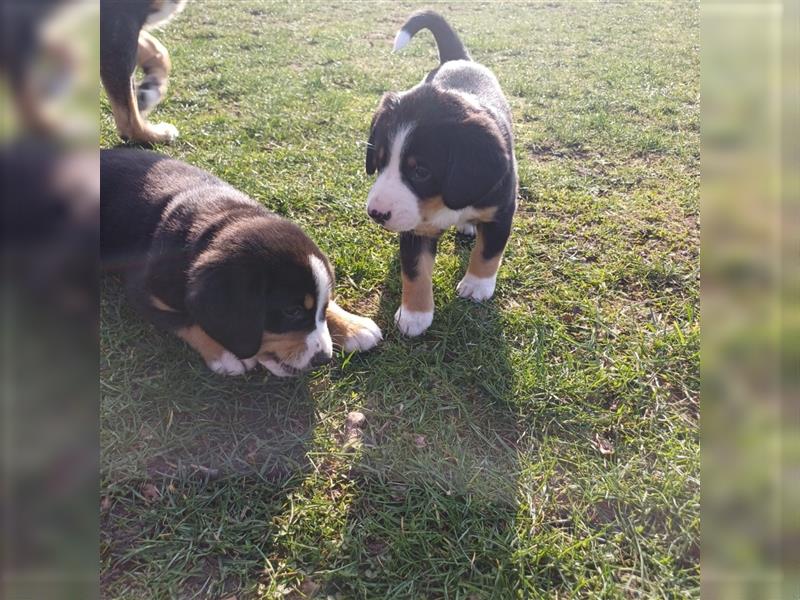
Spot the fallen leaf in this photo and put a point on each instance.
(355, 419)
(353, 425)
(150, 492)
(603, 445)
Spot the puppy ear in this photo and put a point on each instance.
(227, 301)
(387, 104)
(477, 161)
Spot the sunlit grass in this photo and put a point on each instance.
(542, 445)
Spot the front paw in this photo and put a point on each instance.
(475, 288)
(227, 364)
(412, 322)
(165, 133)
(362, 334)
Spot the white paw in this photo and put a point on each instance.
(250, 363)
(476, 288)
(365, 337)
(227, 364)
(412, 322)
(164, 132)
(467, 229)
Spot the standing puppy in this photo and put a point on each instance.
(124, 45)
(444, 155)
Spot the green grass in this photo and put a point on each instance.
(543, 445)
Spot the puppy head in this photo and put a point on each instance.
(436, 154)
(261, 289)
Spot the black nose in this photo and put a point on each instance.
(319, 359)
(379, 217)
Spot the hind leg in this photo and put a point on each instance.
(153, 58)
(481, 277)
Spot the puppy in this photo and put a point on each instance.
(124, 45)
(444, 155)
(239, 284)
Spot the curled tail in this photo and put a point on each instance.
(450, 47)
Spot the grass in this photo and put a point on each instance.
(542, 445)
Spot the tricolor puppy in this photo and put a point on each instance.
(444, 155)
(125, 44)
(239, 284)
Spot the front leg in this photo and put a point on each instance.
(351, 332)
(417, 254)
(479, 282)
(216, 357)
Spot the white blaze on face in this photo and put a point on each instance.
(390, 194)
(318, 340)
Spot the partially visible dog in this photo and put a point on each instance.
(444, 153)
(125, 44)
(239, 284)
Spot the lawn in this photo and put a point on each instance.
(541, 445)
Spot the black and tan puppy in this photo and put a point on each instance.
(444, 155)
(239, 284)
(124, 45)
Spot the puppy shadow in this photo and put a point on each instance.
(178, 439)
(442, 431)
(166, 416)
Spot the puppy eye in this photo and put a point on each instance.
(420, 173)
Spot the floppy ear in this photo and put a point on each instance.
(385, 107)
(477, 161)
(227, 301)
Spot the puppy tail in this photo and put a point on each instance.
(450, 47)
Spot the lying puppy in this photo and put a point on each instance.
(444, 155)
(124, 44)
(239, 284)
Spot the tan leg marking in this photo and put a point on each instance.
(351, 332)
(153, 58)
(198, 339)
(132, 126)
(161, 305)
(418, 292)
(478, 265)
(484, 215)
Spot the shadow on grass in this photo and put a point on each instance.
(185, 421)
(432, 494)
(185, 453)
